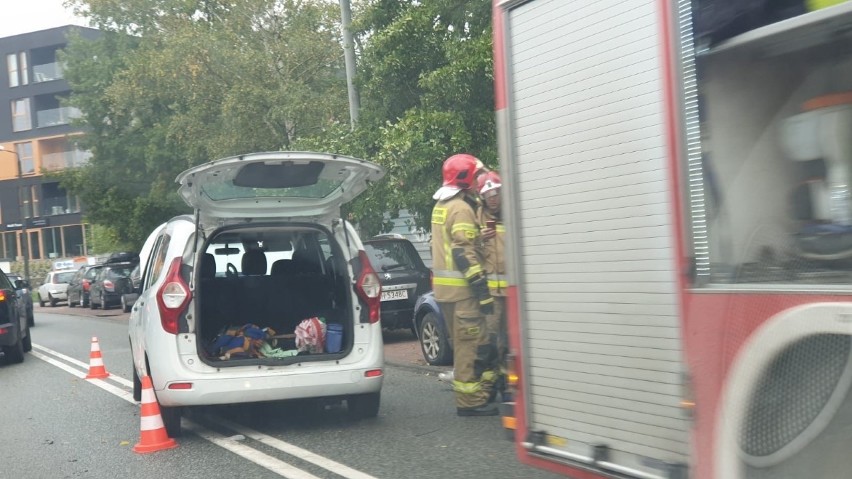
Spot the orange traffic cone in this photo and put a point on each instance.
(154, 437)
(96, 362)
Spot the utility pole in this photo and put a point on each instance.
(25, 247)
(349, 58)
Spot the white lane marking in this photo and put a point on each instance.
(123, 394)
(275, 465)
(305, 455)
(112, 377)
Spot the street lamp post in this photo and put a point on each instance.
(25, 250)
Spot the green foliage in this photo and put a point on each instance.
(175, 83)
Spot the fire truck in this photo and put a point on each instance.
(678, 198)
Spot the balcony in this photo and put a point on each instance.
(58, 206)
(65, 159)
(57, 116)
(47, 72)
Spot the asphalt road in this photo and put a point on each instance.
(59, 425)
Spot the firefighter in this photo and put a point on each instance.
(492, 234)
(461, 287)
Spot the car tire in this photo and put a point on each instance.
(434, 341)
(124, 306)
(40, 301)
(137, 384)
(28, 342)
(171, 420)
(52, 301)
(15, 353)
(363, 406)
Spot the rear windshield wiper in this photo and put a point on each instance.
(389, 267)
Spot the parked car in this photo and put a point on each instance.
(403, 275)
(25, 297)
(103, 292)
(78, 287)
(432, 331)
(55, 287)
(283, 206)
(127, 288)
(15, 337)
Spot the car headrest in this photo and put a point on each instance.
(254, 262)
(208, 266)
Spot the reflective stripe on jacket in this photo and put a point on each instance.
(494, 262)
(454, 225)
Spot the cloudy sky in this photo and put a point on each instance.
(24, 16)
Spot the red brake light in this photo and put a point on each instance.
(172, 297)
(2, 296)
(368, 287)
(108, 284)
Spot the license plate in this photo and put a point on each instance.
(394, 295)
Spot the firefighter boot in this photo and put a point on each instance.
(487, 409)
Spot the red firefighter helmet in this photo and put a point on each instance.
(460, 171)
(490, 181)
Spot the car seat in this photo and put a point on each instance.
(254, 262)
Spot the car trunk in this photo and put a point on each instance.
(274, 276)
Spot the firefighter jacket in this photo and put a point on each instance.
(494, 261)
(454, 227)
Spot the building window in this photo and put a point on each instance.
(22, 68)
(34, 196)
(35, 245)
(21, 119)
(12, 68)
(10, 245)
(25, 152)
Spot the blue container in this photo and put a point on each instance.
(333, 337)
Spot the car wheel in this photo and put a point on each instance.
(434, 342)
(364, 406)
(52, 300)
(124, 306)
(28, 342)
(15, 353)
(171, 420)
(40, 301)
(137, 385)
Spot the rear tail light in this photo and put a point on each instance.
(86, 284)
(2, 296)
(108, 285)
(368, 287)
(173, 297)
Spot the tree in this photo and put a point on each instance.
(426, 83)
(172, 84)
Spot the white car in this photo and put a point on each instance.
(266, 247)
(55, 287)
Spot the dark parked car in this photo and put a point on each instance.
(128, 288)
(103, 292)
(25, 297)
(432, 331)
(403, 275)
(14, 331)
(78, 288)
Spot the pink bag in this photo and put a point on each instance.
(310, 335)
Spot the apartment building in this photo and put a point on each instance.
(36, 138)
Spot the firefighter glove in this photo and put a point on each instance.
(479, 287)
